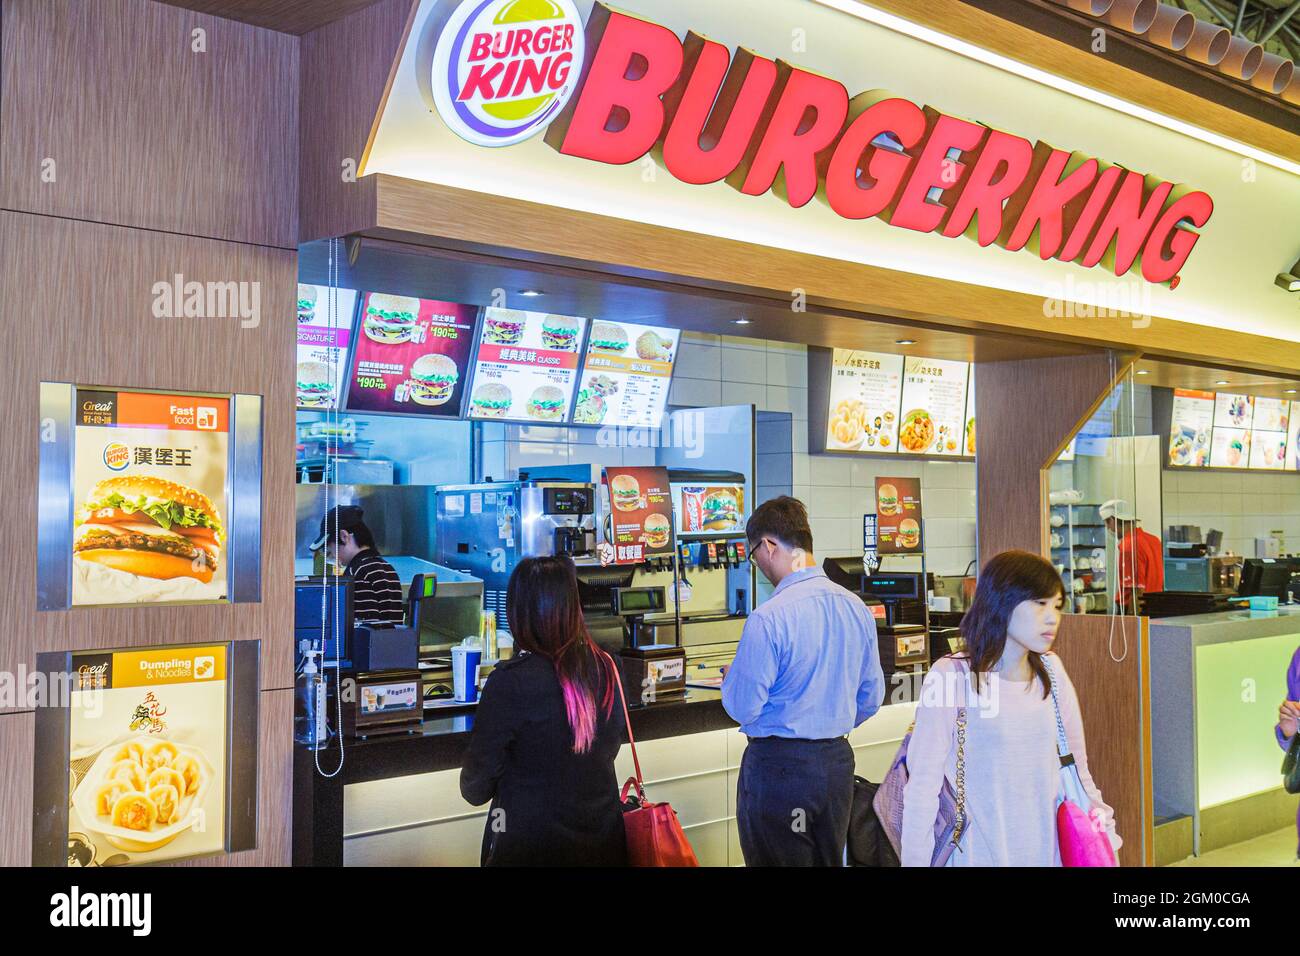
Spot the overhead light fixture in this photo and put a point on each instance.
(1143, 371)
(904, 341)
(1222, 382)
(740, 321)
(531, 293)
(1289, 391)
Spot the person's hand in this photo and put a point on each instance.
(1288, 716)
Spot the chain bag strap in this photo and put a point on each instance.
(959, 823)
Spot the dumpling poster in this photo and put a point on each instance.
(147, 755)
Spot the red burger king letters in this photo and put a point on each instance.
(766, 125)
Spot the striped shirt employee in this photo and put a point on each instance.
(376, 589)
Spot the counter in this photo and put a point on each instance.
(397, 801)
(1216, 680)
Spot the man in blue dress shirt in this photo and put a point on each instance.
(807, 671)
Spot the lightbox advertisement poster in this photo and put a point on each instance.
(898, 516)
(640, 509)
(150, 497)
(147, 755)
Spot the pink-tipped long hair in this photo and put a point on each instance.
(545, 615)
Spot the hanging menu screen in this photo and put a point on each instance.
(934, 407)
(410, 356)
(526, 366)
(626, 372)
(865, 392)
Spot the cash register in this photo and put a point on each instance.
(651, 672)
(896, 601)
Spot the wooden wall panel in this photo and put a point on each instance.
(1115, 699)
(76, 300)
(144, 131)
(1027, 410)
(346, 67)
(287, 16)
(459, 219)
(17, 736)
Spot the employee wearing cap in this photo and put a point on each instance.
(348, 543)
(1141, 557)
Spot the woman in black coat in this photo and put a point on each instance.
(546, 733)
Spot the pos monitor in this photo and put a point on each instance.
(1267, 577)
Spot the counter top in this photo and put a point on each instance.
(440, 745)
(1226, 626)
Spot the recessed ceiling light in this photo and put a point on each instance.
(1289, 391)
(741, 321)
(1222, 381)
(904, 341)
(531, 293)
(1143, 371)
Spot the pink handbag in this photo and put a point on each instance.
(1082, 839)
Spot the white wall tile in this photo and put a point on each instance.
(828, 470)
(741, 393)
(694, 392)
(782, 399)
(789, 368)
(699, 361)
(745, 365)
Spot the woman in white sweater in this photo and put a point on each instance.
(1012, 771)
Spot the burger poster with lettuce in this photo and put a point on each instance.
(640, 510)
(411, 356)
(150, 498)
(898, 515)
(712, 509)
(527, 366)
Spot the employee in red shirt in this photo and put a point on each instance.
(1141, 557)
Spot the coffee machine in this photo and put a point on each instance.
(486, 528)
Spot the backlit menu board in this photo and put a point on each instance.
(526, 366)
(150, 497)
(1230, 441)
(1293, 446)
(626, 372)
(1269, 434)
(324, 331)
(865, 392)
(933, 415)
(1190, 428)
(148, 755)
(411, 356)
(969, 437)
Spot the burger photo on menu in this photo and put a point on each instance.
(655, 531)
(306, 303)
(651, 345)
(625, 493)
(149, 527)
(608, 338)
(503, 326)
(315, 388)
(546, 404)
(492, 400)
(390, 318)
(720, 510)
(909, 533)
(887, 500)
(560, 332)
(433, 379)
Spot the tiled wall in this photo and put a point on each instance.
(836, 489)
(1241, 506)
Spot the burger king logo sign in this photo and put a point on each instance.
(117, 456)
(503, 69)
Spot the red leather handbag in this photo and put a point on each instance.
(654, 834)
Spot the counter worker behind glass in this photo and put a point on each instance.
(349, 544)
(1141, 556)
(807, 671)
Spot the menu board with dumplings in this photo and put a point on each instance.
(865, 392)
(1190, 428)
(1268, 437)
(626, 372)
(526, 366)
